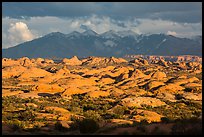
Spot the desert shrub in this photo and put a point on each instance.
(91, 114)
(16, 124)
(89, 106)
(165, 119)
(77, 110)
(27, 115)
(88, 126)
(59, 126)
(178, 96)
(141, 128)
(144, 121)
(124, 133)
(120, 110)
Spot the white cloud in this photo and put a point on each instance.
(19, 32)
(173, 33)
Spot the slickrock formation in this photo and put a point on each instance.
(154, 84)
(101, 60)
(137, 74)
(142, 101)
(140, 61)
(13, 71)
(159, 75)
(110, 91)
(149, 116)
(186, 58)
(9, 62)
(46, 88)
(162, 62)
(33, 73)
(73, 61)
(25, 61)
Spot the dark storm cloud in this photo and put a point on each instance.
(176, 11)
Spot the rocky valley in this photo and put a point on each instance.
(135, 95)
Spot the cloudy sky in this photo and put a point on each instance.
(24, 21)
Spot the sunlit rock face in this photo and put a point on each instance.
(110, 90)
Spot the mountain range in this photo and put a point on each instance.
(110, 43)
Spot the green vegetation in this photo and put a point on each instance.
(89, 113)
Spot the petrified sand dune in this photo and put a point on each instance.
(9, 62)
(13, 71)
(154, 84)
(112, 89)
(73, 61)
(159, 75)
(174, 88)
(101, 60)
(149, 116)
(47, 88)
(33, 73)
(141, 101)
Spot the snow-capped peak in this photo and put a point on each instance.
(127, 33)
(74, 33)
(55, 34)
(89, 33)
(109, 34)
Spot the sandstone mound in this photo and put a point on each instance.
(33, 73)
(39, 60)
(140, 61)
(13, 71)
(25, 61)
(184, 80)
(137, 74)
(72, 90)
(192, 96)
(46, 88)
(158, 75)
(52, 69)
(174, 88)
(102, 60)
(193, 87)
(121, 122)
(48, 61)
(182, 65)
(166, 96)
(63, 71)
(142, 101)
(73, 61)
(117, 60)
(154, 84)
(149, 116)
(9, 62)
(106, 81)
(10, 93)
(56, 109)
(194, 65)
(97, 94)
(99, 72)
(162, 62)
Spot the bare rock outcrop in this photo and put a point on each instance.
(149, 116)
(73, 61)
(142, 101)
(158, 75)
(47, 88)
(13, 71)
(102, 60)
